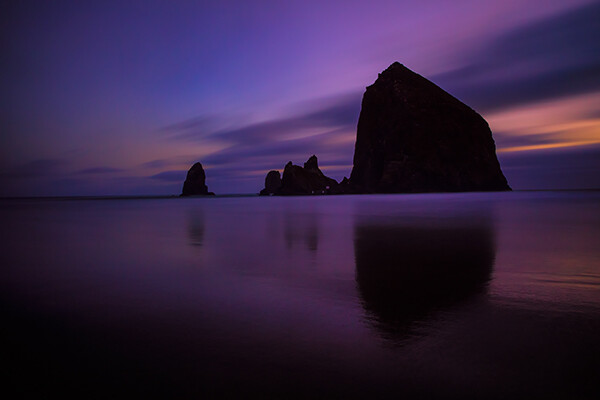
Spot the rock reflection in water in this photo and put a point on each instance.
(196, 227)
(406, 271)
(301, 228)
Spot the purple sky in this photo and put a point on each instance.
(118, 98)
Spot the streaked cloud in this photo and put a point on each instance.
(99, 170)
(546, 59)
(170, 176)
(333, 112)
(556, 123)
(36, 168)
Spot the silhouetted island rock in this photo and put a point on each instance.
(195, 182)
(299, 180)
(272, 183)
(413, 136)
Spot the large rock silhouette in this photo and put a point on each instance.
(413, 136)
(299, 180)
(195, 182)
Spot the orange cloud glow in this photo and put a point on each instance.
(560, 123)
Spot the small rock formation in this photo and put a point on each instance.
(413, 136)
(272, 183)
(195, 182)
(299, 180)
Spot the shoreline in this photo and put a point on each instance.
(239, 195)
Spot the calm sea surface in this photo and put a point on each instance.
(439, 295)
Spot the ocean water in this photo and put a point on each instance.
(481, 295)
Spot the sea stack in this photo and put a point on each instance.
(414, 137)
(195, 182)
(299, 180)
